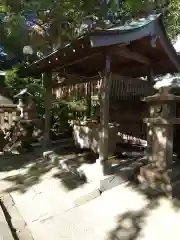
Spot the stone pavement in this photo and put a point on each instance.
(53, 207)
(118, 214)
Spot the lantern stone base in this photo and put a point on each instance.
(166, 182)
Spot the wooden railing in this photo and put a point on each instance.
(77, 91)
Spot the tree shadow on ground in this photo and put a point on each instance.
(130, 225)
(31, 168)
(29, 175)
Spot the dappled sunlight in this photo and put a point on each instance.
(29, 175)
(32, 170)
(126, 212)
(145, 218)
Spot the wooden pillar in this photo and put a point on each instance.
(150, 76)
(150, 79)
(104, 112)
(47, 82)
(89, 100)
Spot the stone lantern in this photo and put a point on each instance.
(26, 105)
(161, 121)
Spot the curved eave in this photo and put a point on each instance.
(96, 43)
(167, 45)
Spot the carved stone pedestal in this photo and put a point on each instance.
(157, 179)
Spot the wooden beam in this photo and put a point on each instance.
(77, 61)
(150, 76)
(126, 53)
(89, 103)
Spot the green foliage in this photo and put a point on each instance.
(56, 22)
(37, 90)
(172, 18)
(169, 9)
(67, 110)
(62, 111)
(15, 84)
(70, 109)
(134, 6)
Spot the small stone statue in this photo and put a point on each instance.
(26, 105)
(20, 107)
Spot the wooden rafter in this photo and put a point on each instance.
(77, 61)
(126, 53)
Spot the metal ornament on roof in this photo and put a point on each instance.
(27, 50)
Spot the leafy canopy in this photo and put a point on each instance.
(47, 24)
(43, 24)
